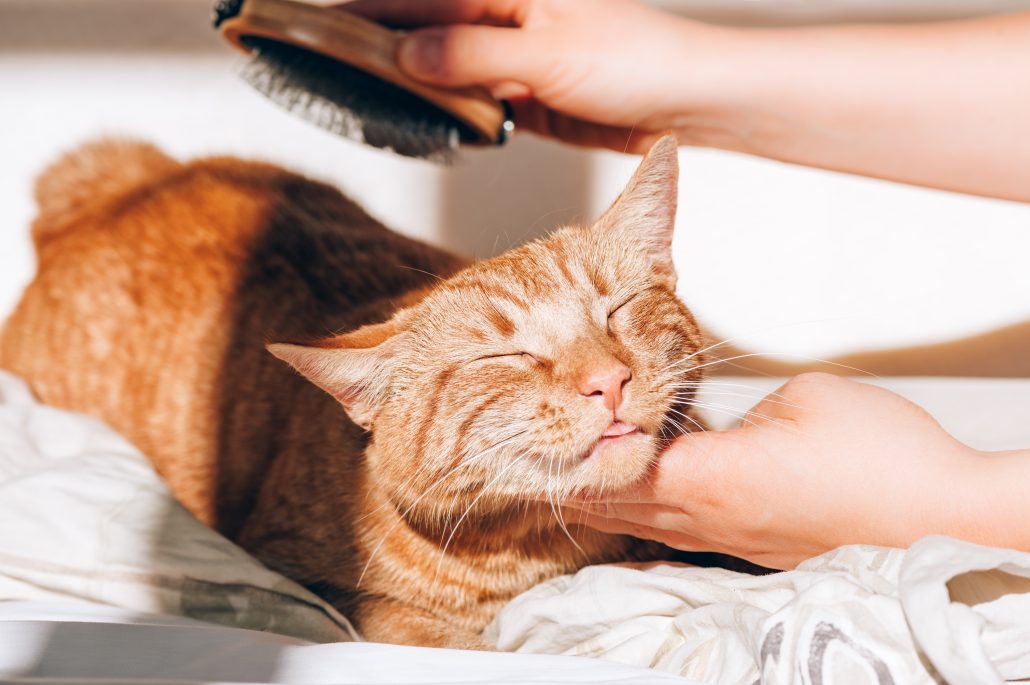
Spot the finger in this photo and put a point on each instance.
(413, 13)
(614, 526)
(642, 492)
(530, 115)
(509, 90)
(701, 468)
(471, 55)
(653, 515)
(672, 538)
(784, 403)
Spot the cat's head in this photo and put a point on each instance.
(561, 366)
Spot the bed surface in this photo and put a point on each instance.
(107, 577)
(64, 642)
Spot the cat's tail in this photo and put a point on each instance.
(94, 171)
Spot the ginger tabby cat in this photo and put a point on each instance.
(475, 400)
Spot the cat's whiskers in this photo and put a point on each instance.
(722, 393)
(672, 428)
(687, 417)
(736, 415)
(560, 487)
(693, 354)
(712, 382)
(468, 509)
(552, 499)
(404, 515)
(464, 460)
(769, 354)
(745, 417)
(421, 271)
(767, 329)
(547, 486)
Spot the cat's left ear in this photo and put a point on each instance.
(355, 368)
(645, 212)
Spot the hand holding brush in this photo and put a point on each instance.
(944, 104)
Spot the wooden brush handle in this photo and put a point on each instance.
(363, 44)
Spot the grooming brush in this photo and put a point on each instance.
(338, 71)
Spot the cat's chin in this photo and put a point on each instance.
(615, 462)
(612, 440)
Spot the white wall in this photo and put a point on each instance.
(793, 260)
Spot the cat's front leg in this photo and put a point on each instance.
(381, 619)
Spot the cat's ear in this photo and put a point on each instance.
(355, 368)
(645, 212)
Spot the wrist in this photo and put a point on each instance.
(994, 505)
(761, 91)
(718, 90)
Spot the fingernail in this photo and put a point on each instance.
(420, 52)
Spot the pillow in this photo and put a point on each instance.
(84, 516)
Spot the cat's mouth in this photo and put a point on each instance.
(617, 432)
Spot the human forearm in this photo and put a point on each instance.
(995, 505)
(945, 105)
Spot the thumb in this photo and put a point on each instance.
(700, 462)
(466, 55)
(690, 466)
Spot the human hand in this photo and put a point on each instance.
(605, 73)
(821, 463)
(617, 74)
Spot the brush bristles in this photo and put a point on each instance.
(350, 102)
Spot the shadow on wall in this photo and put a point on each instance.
(493, 200)
(1001, 353)
(787, 13)
(108, 26)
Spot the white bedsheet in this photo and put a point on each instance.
(84, 519)
(857, 614)
(83, 516)
(59, 643)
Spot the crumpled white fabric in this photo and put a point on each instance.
(83, 516)
(858, 614)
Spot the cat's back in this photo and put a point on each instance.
(158, 284)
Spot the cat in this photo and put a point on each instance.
(474, 395)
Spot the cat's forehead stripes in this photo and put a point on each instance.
(500, 321)
(494, 291)
(544, 294)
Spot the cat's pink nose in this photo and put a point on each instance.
(605, 383)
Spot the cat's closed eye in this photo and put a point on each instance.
(611, 312)
(514, 356)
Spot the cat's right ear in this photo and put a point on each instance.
(355, 368)
(645, 213)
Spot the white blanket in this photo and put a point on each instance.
(83, 517)
(942, 611)
(857, 614)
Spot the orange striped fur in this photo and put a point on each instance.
(475, 399)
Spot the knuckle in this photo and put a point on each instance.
(815, 378)
(812, 383)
